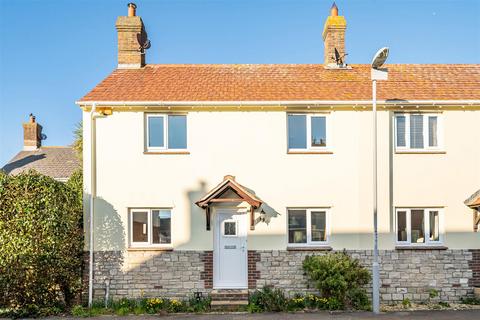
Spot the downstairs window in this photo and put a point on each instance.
(150, 227)
(419, 226)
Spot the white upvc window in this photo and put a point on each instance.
(419, 226)
(166, 132)
(150, 227)
(418, 132)
(308, 227)
(308, 131)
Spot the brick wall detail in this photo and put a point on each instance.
(253, 273)
(475, 266)
(207, 274)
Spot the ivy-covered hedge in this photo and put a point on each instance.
(41, 241)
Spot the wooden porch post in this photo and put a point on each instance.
(207, 216)
(252, 218)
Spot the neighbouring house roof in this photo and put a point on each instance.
(56, 162)
(229, 191)
(289, 82)
(474, 200)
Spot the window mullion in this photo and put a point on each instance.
(426, 132)
(165, 131)
(149, 227)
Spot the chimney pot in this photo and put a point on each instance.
(32, 118)
(132, 9)
(334, 10)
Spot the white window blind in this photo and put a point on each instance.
(416, 131)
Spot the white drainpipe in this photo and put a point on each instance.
(92, 198)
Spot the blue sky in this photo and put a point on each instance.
(54, 52)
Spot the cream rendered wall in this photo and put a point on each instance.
(252, 146)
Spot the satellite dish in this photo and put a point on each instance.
(339, 58)
(43, 136)
(143, 41)
(380, 58)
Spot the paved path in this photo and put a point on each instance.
(404, 315)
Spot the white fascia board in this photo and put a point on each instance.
(276, 103)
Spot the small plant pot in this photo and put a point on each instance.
(476, 291)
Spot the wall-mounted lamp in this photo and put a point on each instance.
(263, 216)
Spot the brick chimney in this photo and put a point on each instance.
(132, 40)
(32, 134)
(334, 38)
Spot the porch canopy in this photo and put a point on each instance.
(474, 202)
(229, 191)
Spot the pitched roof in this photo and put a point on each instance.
(290, 82)
(56, 162)
(229, 183)
(474, 200)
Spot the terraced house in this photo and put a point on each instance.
(206, 178)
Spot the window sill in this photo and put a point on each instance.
(427, 247)
(166, 152)
(310, 152)
(310, 248)
(420, 152)
(150, 249)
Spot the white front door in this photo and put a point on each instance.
(230, 250)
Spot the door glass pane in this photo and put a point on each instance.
(434, 226)
(297, 132)
(400, 125)
(161, 226)
(416, 131)
(432, 132)
(418, 232)
(177, 132)
(229, 228)
(155, 132)
(297, 226)
(401, 226)
(140, 226)
(319, 132)
(319, 225)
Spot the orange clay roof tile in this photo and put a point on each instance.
(274, 82)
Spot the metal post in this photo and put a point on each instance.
(375, 266)
(92, 202)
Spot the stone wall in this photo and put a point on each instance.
(148, 273)
(404, 273)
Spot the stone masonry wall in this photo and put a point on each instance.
(147, 273)
(404, 273)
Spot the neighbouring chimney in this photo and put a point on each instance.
(132, 40)
(334, 38)
(32, 134)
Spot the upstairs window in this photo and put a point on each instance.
(307, 132)
(307, 227)
(419, 226)
(418, 132)
(150, 227)
(166, 132)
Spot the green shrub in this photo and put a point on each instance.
(122, 311)
(41, 243)
(406, 303)
(175, 305)
(444, 304)
(339, 278)
(432, 293)
(470, 300)
(79, 311)
(200, 304)
(268, 299)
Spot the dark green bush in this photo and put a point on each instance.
(267, 299)
(340, 279)
(41, 243)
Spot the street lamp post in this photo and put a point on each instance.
(377, 73)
